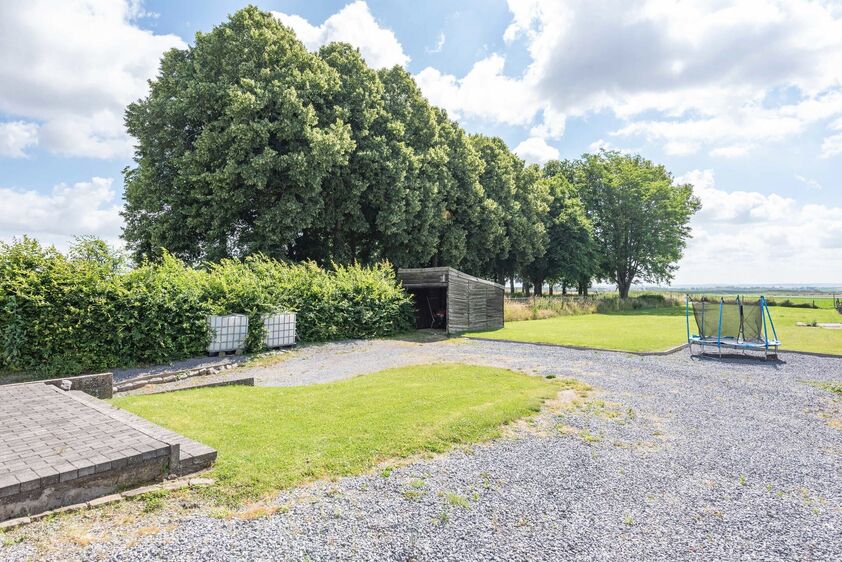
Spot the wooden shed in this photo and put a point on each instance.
(453, 301)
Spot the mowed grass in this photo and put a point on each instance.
(273, 438)
(661, 329)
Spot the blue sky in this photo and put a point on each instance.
(743, 99)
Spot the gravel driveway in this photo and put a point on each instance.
(672, 458)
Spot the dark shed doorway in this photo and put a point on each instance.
(430, 307)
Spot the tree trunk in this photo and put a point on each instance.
(539, 287)
(623, 287)
(525, 288)
(512, 285)
(551, 289)
(564, 288)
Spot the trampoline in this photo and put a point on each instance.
(735, 325)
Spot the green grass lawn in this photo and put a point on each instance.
(273, 438)
(661, 329)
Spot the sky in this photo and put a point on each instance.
(742, 99)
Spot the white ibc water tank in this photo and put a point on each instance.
(280, 329)
(228, 333)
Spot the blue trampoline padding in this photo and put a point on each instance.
(732, 342)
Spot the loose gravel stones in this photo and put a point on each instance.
(669, 458)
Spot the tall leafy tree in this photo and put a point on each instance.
(408, 235)
(470, 225)
(569, 254)
(520, 203)
(640, 218)
(366, 205)
(233, 144)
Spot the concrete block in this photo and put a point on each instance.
(14, 523)
(201, 482)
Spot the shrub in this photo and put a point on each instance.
(538, 308)
(64, 315)
(640, 302)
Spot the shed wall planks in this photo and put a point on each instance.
(472, 303)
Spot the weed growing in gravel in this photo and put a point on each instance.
(589, 437)
(550, 376)
(267, 359)
(256, 511)
(386, 471)
(486, 480)
(628, 520)
(412, 494)
(9, 541)
(830, 386)
(742, 480)
(442, 518)
(456, 500)
(153, 501)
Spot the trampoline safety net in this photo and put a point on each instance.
(737, 325)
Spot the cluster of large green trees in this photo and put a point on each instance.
(248, 142)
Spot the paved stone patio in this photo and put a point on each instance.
(59, 448)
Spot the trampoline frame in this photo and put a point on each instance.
(769, 347)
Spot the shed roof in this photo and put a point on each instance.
(447, 270)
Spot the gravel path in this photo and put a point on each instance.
(672, 458)
(182, 365)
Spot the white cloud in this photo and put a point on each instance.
(721, 77)
(439, 44)
(602, 144)
(73, 66)
(832, 146)
(810, 183)
(732, 151)
(16, 137)
(751, 237)
(89, 207)
(352, 24)
(485, 92)
(535, 150)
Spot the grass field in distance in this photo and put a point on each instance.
(662, 328)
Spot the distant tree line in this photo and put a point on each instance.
(248, 143)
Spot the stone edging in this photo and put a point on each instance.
(170, 485)
(584, 348)
(242, 381)
(170, 376)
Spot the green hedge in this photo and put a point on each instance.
(85, 311)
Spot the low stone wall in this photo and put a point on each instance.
(59, 493)
(99, 386)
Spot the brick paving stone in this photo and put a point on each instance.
(49, 436)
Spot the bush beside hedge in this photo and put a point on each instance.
(84, 312)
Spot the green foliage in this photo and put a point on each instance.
(571, 254)
(63, 315)
(640, 219)
(247, 143)
(233, 144)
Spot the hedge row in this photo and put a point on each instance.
(85, 311)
